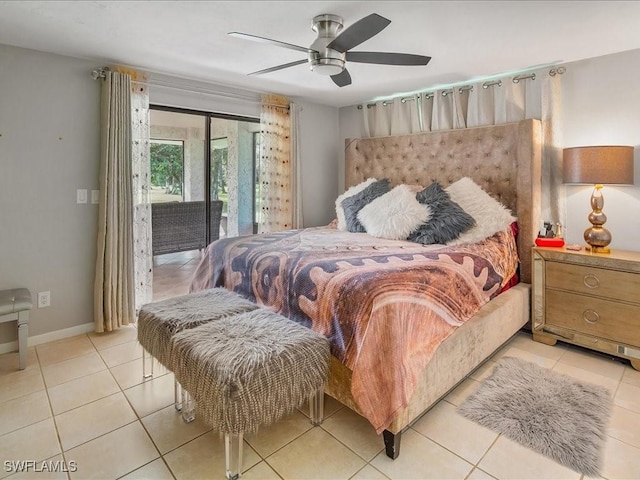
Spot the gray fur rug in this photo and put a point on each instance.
(548, 412)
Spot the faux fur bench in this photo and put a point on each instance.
(239, 365)
(159, 321)
(248, 371)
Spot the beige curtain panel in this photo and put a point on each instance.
(114, 290)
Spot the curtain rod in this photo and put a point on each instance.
(427, 95)
(101, 73)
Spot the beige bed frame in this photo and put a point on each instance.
(505, 161)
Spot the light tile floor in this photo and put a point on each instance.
(172, 273)
(83, 400)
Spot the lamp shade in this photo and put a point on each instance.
(610, 164)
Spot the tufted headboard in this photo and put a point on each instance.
(503, 159)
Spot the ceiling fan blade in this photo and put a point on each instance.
(279, 67)
(362, 30)
(342, 79)
(385, 58)
(269, 41)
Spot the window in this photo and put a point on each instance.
(219, 170)
(167, 170)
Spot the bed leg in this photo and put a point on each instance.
(392, 443)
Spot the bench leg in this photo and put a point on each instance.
(233, 455)
(177, 395)
(147, 364)
(23, 335)
(316, 407)
(188, 407)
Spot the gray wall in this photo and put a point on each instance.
(320, 162)
(49, 147)
(601, 106)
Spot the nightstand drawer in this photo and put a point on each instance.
(593, 281)
(593, 316)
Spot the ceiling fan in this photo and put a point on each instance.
(330, 51)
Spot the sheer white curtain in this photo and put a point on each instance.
(280, 175)
(509, 99)
(123, 255)
(141, 178)
(295, 162)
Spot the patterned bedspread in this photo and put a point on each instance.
(385, 305)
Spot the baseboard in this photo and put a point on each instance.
(49, 337)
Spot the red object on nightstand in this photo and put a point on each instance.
(549, 242)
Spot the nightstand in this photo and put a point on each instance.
(587, 299)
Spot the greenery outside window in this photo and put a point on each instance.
(167, 170)
(219, 169)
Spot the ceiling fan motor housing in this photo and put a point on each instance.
(323, 60)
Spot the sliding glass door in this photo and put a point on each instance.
(202, 188)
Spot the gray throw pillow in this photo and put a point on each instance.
(353, 204)
(448, 220)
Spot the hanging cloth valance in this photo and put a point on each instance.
(510, 99)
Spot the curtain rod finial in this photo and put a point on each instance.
(99, 73)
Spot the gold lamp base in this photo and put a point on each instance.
(593, 249)
(597, 237)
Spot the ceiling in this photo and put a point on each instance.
(467, 40)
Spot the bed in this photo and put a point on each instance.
(301, 273)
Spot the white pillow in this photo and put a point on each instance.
(394, 215)
(342, 221)
(490, 215)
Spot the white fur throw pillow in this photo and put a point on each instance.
(394, 215)
(342, 221)
(490, 215)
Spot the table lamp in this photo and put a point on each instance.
(598, 165)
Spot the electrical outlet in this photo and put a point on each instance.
(95, 196)
(44, 299)
(81, 196)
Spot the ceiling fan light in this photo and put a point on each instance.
(327, 66)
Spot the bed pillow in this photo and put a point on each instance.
(448, 220)
(342, 222)
(394, 215)
(489, 214)
(353, 204)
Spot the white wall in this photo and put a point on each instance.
(50, 146)
(601, 106)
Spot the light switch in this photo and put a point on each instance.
(81, 196)
(95, 196)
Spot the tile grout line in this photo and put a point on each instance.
(138, 420)
(53, 418)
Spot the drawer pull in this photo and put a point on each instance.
(591, 316)
(591, 281)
